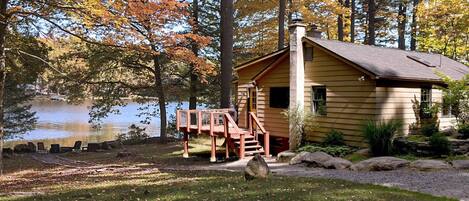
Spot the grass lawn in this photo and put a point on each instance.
(144, 176)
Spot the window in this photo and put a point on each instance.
(425, 102)
(319, 101)
(279, 97)
(448, 109)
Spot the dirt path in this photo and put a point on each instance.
(52, 159)
(449, 183)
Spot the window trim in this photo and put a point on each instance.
(313, 100)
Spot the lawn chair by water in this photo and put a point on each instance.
(76, 147)
(41, 148)
(54, 148)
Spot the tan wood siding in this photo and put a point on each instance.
(244, 77)
(350, 101)
(272, 119)
(396, 103)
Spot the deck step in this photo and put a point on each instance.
(247, 142)
(254, 152)
(245, 137)
(253, 147)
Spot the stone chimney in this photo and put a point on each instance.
(297, 32)
(313, 31)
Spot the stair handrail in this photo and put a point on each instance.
(254, 120)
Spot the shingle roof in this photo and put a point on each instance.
(391, 63)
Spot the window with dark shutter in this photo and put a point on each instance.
(279, 97)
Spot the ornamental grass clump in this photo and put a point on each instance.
(440, 144)
(380, 134)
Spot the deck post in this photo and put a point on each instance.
(199, 122)
(241, 146)
(188, 118)
(186, 145)
(213, 157)
(267, 144)
(227, 137)
(178, 120)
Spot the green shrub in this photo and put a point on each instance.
(135, 135)
(439, 144)
(336, 151)
(379, 135)
(430, 128)
(334, 138)
(463, 129)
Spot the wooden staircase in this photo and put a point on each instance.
(251, 145)
(219, 123)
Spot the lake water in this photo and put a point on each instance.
(62, 123)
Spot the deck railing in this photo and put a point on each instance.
(209, 119)
(253, 120)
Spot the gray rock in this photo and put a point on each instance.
(363, 152)
(337, 163)
(380, 164)
(316, 159)
(123, 154)
(425, 165)
(285, 157)
(298, 158)
(22, 148)
(461, 164)
(256, 168)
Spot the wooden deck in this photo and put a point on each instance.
(219, 123)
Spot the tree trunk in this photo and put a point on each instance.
(352, 21)
(401, 25)
(3, 32)
(413, 34)
(340, 24)
(371, 22)
(226, 49)
(161, 98)
(195, 50)
(290, 11)
(281, 24)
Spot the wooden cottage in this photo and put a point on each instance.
(343, 84)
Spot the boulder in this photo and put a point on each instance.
(380, 164)
(115, 144)
(426, 165)
(285, 157)
(105, 146)
(298, 158)
(22, 148)
(461, 164)
(337, 163)
(123, 154)
(256, 168)
(316, 159)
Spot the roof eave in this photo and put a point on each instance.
(259, 59)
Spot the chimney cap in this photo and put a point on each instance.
(297, 17)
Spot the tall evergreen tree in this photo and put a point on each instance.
(401, 23)
(413, 35)
(371, 17)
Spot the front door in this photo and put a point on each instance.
(252, 100)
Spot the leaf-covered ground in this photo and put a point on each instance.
(151, 175)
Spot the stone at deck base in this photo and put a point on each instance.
(285, 156)
(380, 164)
(298, 158)
(461, 164)
(256, 168)
(316, 159)
(337, 163)
(123, 154)
(425, 165)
